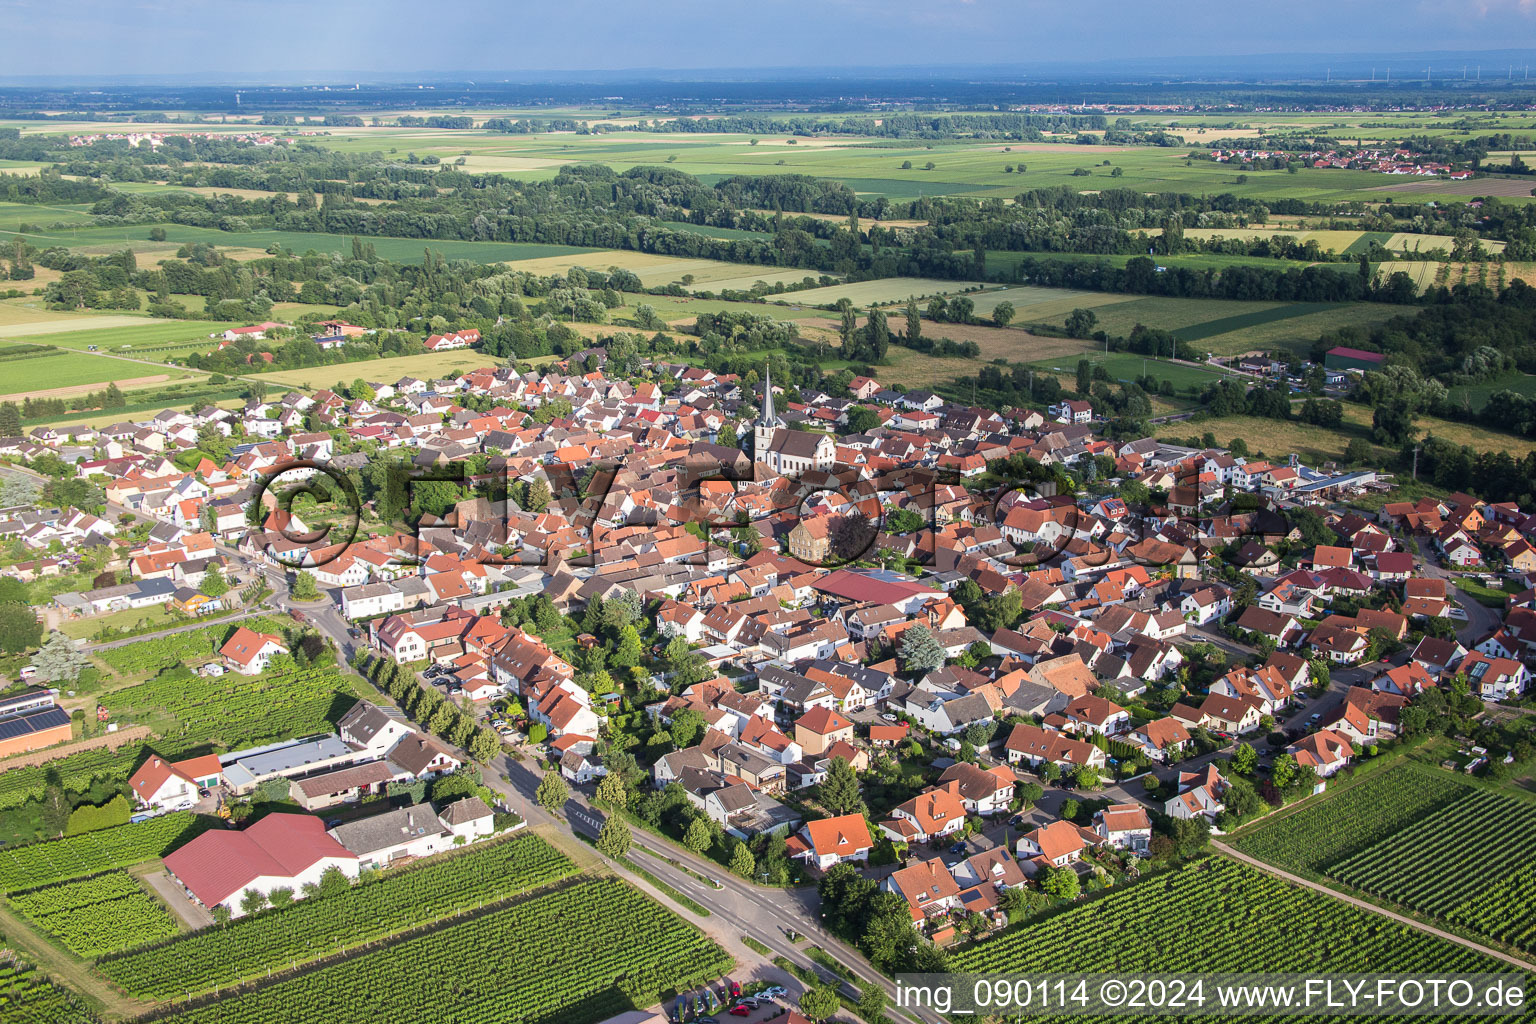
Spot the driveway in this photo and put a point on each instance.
(188, 913)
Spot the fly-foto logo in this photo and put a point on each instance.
(845, 508)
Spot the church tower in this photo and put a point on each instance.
(767, 422)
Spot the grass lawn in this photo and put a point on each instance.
(1476, 396)
(125, 619)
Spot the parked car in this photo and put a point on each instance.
(297, 615)
(740, 1010)
(735, 988)
(958, 847)
(774, 992)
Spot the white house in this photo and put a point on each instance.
(281, 851)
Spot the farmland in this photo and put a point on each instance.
(427, 366)
(1324, 831)
(76, 773)
(881, 291)
(139, 337)
(1220, 916)
(28, 996)
(232, 710)
(188, 647)
(654, 270)
(44, 372)
(631, 954)
(313, 927)
(1468, 863)
(96, 915)
(58, 860)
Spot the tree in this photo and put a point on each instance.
(552, 792)
(614, 839)
(914, 329)
(1061, 883)
(1084, 376)
(611, 793)
(1085, 776)
(252, 901)
(220, 913)
(1283, 771)
(1358, 451)
(1392, 422)
(920, 650)
(819, 1003)
(742, 861)
(877, 335)
(59, 660)
(699, 836)
(214, 583)
(727, 436)
(362, 391)
(1079, 324)
(280, 897)
(10, 420)
(304, 588)
(872, 1004)
(1002, 313)
(19, 628)
(484, 745)
(840, 791)
(1245, 759)
(55, 804)
(685, 727)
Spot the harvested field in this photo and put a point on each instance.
(1010, 343)
(72, 391)
(885, 290)
(1505, 187)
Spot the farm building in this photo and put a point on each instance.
(281, 851)
(1343, 358)
(30, 720)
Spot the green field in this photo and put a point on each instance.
(1352, 818)
(72, 369)
(406, 250)
(882, 291)
(574, 956)
(1475, 396)
(1214, 916)
(1469, 863)
(254, 945)
(97, 915)
(142, 339)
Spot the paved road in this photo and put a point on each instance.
(759, 911)
(1524, 965)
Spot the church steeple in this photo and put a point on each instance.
(769, 418)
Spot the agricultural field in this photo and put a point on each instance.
(89, 853)
(313, 927)
(881, 292)
(655, 270)
(1221, 916)
(30, 997)
(1468, 863)
(96, 915)
(18, 785)
(1349, 819)
(189, 647)
(407, 250)
(58, 372)
(426, 366)
(633, 953)
(1475, 396)
(232, 711)
(139, 337)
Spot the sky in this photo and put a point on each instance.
(316, 38)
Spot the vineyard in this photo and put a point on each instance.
(58, 860)
(96, 915)
(1470, 864)
(1215, 916)
(190, 647)
(1342, 823)
(233, 710)
(76, 773)
(573, 956)
(251, 946)
(27, 997)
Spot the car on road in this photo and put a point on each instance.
(354, 632)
